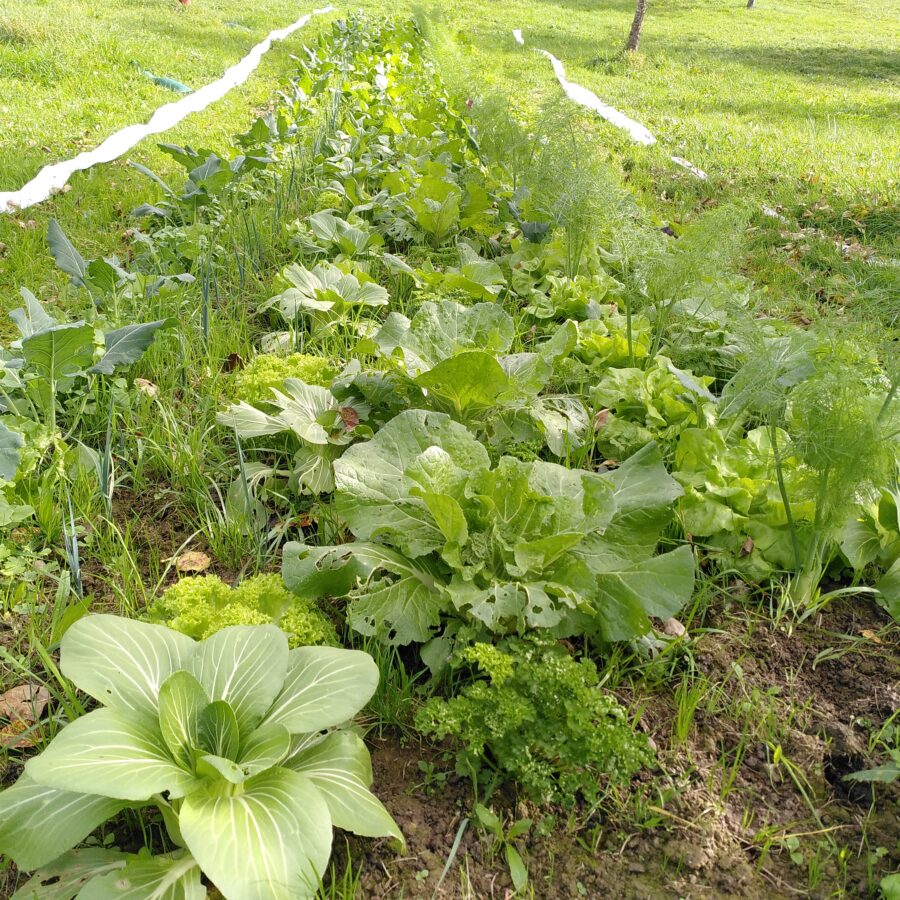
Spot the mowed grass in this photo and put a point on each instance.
(791, 105)
(67, 82)
(70, 69)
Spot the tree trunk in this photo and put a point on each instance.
(634, 37)
(751, 4)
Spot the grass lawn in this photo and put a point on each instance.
(69, 69)
(67, 82)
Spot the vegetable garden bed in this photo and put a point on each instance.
(398, 403)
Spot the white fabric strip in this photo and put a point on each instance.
(54, 177)
(680, 161)
(584, 97)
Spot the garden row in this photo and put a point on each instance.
(490, 421)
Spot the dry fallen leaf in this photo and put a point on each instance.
(24, 702)
(12, 736)
(747, 547)
(871, 635)
(193, 561)
(673, 628)
(350, 417)
(22, 705)
(146, 387)
(600, 419)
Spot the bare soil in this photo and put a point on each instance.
(693, 843)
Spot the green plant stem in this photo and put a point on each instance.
(782, 490)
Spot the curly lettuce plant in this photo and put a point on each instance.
(731, 501)
(254, 383)
(236, 740)
(200, 606)
(443, 537)
(539, 717)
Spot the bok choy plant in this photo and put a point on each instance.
(240, 743)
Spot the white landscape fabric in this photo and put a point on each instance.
(54, 177)
(581, 95)
(587, 98)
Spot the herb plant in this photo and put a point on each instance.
(535, 715)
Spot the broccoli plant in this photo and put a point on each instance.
(236, 740)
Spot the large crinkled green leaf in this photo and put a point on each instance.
(38, 823)
(122, 662)
(439, 331)
(512, 605)
(269, 841)
(466, 385)
(528, 373)
(630, 592)
(523, 502)
(581, 500)
(66, 875)
(374, 482)
(325, 686)
(644, 494)
(400, 610)
(314, 572)
(113, 753)
(174, 876)
(341, 769)
(398, 599)
(245, 666)
(563, 421)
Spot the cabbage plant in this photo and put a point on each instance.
(444, 537)
(457, 356)
(235, 739)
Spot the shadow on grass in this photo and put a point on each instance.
(830, 63)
